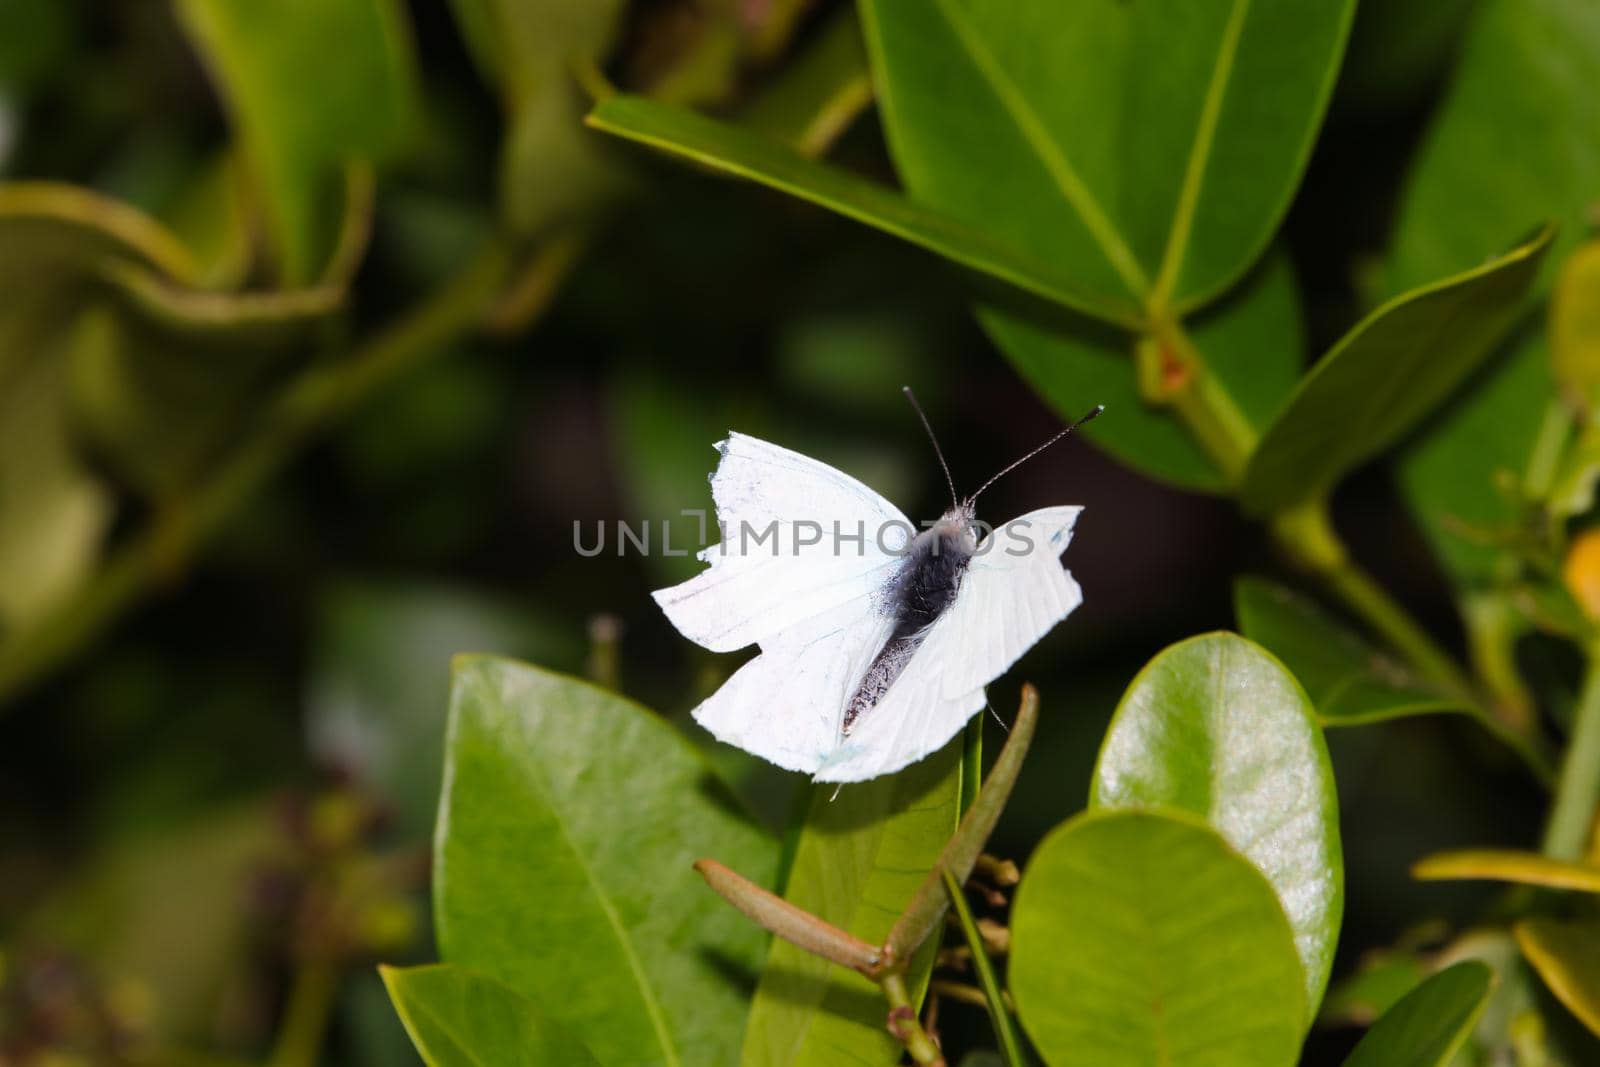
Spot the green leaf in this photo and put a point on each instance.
(1575, 327)
(1384, 376)
(1429, 1024)
(1567, 957)
(458, 1018)
(1152, 149)
(551, 169)
(1349, 682)
(53, 512)
(1252, 342)
(735, 151)
(860, 859)
(1505, 865)
(1383, 977)
(1140, 939)
(164, 347)
(1512, 141)
(311, 85)
(1216, 727)
(1038, 151)
(54, 240)
(568, 827)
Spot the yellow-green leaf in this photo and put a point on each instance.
(1567, 957)
(1524, 868)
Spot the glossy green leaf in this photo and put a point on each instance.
(1567, 957)
(310, 85)
(860, 859)
(568, 827)
(1349, 681)
(1216, 727)
(735, 151)
(1252, 341)
(551, 167)
(1512, 142)
(1151, 149)
(1430, 1023)
(1148, 149)
(1141, 939)
(1384, 376)
(458, 1018)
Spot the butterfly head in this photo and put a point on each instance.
(958, 527)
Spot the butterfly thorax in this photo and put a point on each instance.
(924, 587)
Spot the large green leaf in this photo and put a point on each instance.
(1140, 939)
(1251, 340)
(568, 827)
(1430, 1023)
(1349, 681)
(1149, 148)
(1513, 141)
(458, 1018)
(311, 85)
(1384, 376)
(1217, 727)
(860, 859)
(732, 150)
(551, 167)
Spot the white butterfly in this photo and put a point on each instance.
(876, 641)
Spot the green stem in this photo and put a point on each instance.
(309, 404)
(1307, 536)
(305, 1018)
(1005, 1030)
(905, 1025)
(1572, 815)
(1173, 372)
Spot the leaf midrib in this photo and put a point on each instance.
(1205, 136)
(1056, 163)
(652, 1006)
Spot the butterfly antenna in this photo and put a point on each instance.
(926, 425)
(1093, 412)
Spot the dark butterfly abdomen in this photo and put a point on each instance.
(926, 585)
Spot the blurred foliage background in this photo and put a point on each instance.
(322, 324)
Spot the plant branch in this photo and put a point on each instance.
(795, 925)
(1306, 535)
(961, 853)
(905, 1026)
(1172, 372)
(1572, 815)
(305, 1019)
